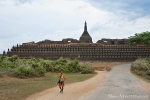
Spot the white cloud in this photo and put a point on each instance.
(118, 28)
(36, 20)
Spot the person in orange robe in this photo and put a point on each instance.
(62, 78)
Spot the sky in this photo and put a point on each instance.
(24, 21)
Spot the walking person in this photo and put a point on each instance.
(62, 78)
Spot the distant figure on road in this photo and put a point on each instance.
(62, 78)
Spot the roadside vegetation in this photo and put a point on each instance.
(24, 68)
(20, 78)
(141, 67)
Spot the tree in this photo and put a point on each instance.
(139, 39)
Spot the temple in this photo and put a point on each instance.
(85, 37)
(83, 49)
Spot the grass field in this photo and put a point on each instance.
(18, 89)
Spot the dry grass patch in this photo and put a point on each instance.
(18, 89)
(104, 66)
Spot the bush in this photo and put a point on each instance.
(148, 72)
(141, 64)
(24, 72)
(87, 68)
(40, 71)
(13, 58)
(141, 67)
(33, 67)
(48, 65)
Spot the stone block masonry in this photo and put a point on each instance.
(81, 51)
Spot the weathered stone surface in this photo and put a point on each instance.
(85, 37)
(93, 51)
(113, 41)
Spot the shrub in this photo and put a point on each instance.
(24, 72)
(40, 71)
(48, 65)
(13, 58)
(33, 67)
(140, 64)
(87, 68)
(141, 67)
(148, 72)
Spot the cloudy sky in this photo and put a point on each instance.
(35, 20)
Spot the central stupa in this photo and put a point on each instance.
(85, 37)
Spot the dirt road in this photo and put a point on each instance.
(118, 84)
(71, 91)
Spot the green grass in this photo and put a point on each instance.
(3, 69)
(17, 89)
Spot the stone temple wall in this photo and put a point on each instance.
(81, 51)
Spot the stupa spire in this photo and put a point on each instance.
(85, 37)
(85, 26)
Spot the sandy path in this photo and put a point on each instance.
(72, 91)
(120, 84)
